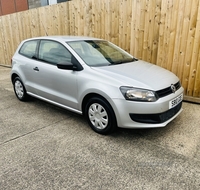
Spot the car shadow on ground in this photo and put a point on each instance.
(152, 133)
(118, 133)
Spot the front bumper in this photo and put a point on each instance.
(132, 114)
(158, 117)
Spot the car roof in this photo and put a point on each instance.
(64, 38)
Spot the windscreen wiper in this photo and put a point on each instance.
(123, 61)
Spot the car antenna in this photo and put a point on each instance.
(44, 29)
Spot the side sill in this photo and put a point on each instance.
(55, 103)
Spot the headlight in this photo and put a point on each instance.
(137, 94)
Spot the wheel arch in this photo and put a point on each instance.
(13, 76)
(110, 116)
(91, 95)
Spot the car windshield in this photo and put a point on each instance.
(97, 53)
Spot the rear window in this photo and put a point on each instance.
(28, 49)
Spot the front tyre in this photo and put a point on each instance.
(19, 89)
(100, 116)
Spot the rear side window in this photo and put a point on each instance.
(29, 48)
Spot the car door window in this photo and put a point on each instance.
(29, 49)
(53, 52)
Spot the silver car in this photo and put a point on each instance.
(96, 78)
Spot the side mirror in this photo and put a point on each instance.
(67, 66)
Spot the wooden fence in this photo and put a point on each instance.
(163, 32)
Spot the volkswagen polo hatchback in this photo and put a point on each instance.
(96, 78)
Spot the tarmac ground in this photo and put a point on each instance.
(46, 147)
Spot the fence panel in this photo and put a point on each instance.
(166, 33)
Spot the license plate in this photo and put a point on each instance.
(175, 101)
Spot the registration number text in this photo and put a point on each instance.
(175, 101)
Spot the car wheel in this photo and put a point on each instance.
(100, 116)
(19, 89)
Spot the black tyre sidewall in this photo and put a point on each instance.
(24, 97)
(111, 116)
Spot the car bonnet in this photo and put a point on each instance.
(140, 74)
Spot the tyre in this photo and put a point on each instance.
(19, 89)
(100, 115)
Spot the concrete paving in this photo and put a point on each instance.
(46, 147)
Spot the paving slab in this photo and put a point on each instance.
(46, 147)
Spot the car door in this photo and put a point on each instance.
(53, 84)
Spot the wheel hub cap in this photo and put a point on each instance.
(19, 89)
(98, 116)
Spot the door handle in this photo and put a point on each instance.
(36, 69)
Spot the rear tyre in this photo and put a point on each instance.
(19, 89)
(100, 116)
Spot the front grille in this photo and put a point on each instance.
(167, 91)
(156, 118)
